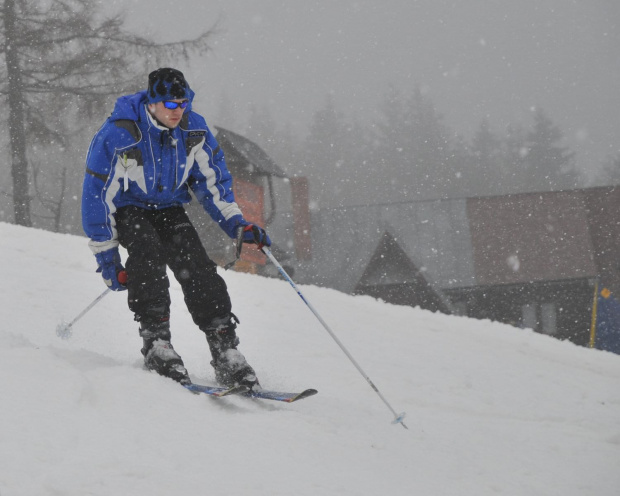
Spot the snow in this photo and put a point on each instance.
(491, 409)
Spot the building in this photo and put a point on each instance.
(533, 260)
(262, 190)
(529, 259)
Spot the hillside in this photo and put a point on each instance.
(491, 409)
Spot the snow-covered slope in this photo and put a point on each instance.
(491, 409)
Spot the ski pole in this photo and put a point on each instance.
(398, 418)
(63, 330)
(238, 247)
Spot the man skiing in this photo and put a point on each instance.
(140, 167)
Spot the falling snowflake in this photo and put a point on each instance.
(513, 262)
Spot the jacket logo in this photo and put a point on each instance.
(196, 134)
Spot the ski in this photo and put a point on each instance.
(265, 394)
(262, 394)
(216, 391)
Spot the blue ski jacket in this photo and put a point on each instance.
(133, 160)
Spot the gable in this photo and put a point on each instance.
(392, 276)
(388, 265)
(246, 156)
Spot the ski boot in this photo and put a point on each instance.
(231, 367)
(159, 355)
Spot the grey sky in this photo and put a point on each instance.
(474, 58)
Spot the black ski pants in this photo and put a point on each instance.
(156, 239)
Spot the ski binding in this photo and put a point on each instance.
(216, 390)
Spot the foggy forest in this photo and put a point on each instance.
(65, 63)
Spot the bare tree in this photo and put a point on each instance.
(65, 53)
(51, 202)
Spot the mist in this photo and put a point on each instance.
(475, 60)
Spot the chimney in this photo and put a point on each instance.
(301, 218)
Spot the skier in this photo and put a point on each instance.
(140, 167)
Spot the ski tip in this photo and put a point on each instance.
(302, 395)
(190, 388)
(280, 396)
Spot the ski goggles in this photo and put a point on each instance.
(175, 105)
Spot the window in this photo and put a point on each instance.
(529, 319)
(540, 317)
(460, 307)
(549, 318)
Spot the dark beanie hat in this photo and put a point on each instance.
(167, 84)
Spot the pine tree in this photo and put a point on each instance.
(462, 162)
(394, 132)
(488, 162)
(516, 151)
(430, 167)
(323, 154)
(262, 128)
(414, 148)
(550, 165)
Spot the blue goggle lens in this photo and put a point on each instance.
(175, 105)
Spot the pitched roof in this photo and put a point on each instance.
(530, 237)
(239, 148)
(462, 243)
(391, 274)
(435, 235)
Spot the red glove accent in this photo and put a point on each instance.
(122, 277)
(257, 235)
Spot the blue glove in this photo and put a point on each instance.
(112, 269)
(255, 234)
